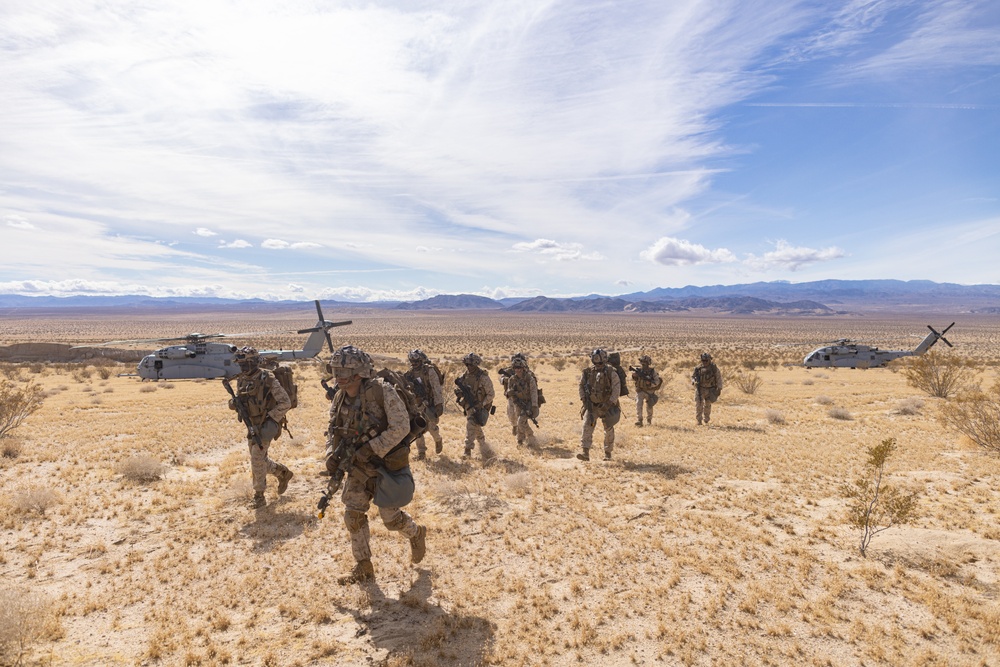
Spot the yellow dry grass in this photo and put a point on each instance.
(693, 546)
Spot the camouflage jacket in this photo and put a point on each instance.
(377, 415)
(523, 390)
(426, 385)
(646, 379)
(263, 396)
(707, 376)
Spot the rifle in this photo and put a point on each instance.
(526, 409)
(588, 406)
(342, 457)
(468, 402)
(331, 392)
(244, 415)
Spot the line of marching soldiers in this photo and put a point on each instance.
(375, 417)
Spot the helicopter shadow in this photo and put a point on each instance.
(413, 627)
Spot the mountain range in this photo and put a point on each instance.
(824, 297)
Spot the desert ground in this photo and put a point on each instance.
(125, 519)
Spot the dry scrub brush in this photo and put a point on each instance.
(875, 505)
(18, 401)
(940, 375)
(26, 617)
(976, 414)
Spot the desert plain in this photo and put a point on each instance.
(125, 519)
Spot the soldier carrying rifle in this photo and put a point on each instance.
(474, 390)
(521, 390)
(599, 392)
(367, 440)
(647, 383)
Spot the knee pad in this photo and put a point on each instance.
(397, 522)
(355, 520)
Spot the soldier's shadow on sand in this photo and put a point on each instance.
(271, 525)
(420, 632)
(667, 470)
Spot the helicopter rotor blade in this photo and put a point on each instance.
(940, 336)
(326, 332)
(192, 337)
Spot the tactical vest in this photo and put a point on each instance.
(708, 376)
(367, 420)
(255, 392)
(520, 388)
(599, 383)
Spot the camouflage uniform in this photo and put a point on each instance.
(600, 389)
(266, 403)
(505, 373)
(427, 387)
(707, 381)
(647, 383)
(481, 386)
(522, 391)
(378, 416)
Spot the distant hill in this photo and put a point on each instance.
(846, 294)
(817, 297)
(731, 305)
(452, 302)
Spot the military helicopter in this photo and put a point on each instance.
(845, 353)
(197, 358)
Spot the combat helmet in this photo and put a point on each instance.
(705, 356)
(599, 356)
(416, 356)
(353, 358)
(645, 359)
(472, 359)
(247, 357)
(518, 361)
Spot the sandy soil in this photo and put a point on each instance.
(693, 546)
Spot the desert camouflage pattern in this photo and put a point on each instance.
(427, 387)
(376, 407)
(706, 378)
(481, 385)
(647, 383)
(522, 390)
(599, 384)
(265, 399)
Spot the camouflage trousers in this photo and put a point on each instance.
(522, 427)
(432, 428)
(473, 432)
(640, 398)
(512, 416)
(702, 406)
(260, 465)
(357, 496)
(587, 439)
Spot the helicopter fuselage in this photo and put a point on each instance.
(851, 356)
(192, 360)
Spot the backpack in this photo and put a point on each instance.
(615, 359)
(439, 373)
(414, 406)
(283, 374)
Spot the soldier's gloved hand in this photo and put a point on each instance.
(534, 412)
(439, 409)
(232, 403)
(365, 452)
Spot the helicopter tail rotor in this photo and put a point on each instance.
(940, 336)
(324, 325)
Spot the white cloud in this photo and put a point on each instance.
(303, 245)
(274, 244)
(296, 289)
(788, 257)
(671, 251)
(17, 222)
(238, 243)
(202, 231)
(559, 251)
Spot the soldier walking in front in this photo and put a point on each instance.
(261, 403)
(599, 392)
(647, 383)
(522, 391)
(707, 381)
(368, 420)
(474, 390)
(427, 386)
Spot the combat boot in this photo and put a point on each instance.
(639, 423)
(607, 455)
(362, 572)
(421, 456)
(650, 421)
(438, 446)
(258, 501)
(585, 456)
(418, 545)
(284, 476)
(467, 453)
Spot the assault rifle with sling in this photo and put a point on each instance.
(467, 402)
(588, 405)
(525, 407)
(243, 414)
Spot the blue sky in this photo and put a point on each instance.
(371, 150)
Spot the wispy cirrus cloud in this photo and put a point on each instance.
(561, 252)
